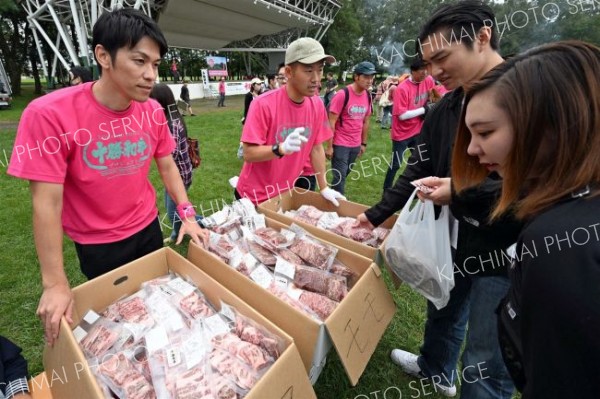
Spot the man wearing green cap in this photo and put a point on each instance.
(349, 118)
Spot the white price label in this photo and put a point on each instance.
(281, 282)
(181, 286)
(285, 268)
(227, 311)
(91, 317)
(261, 276)
(173, 356)
(79, 333)
(156, 339)
(194, 350)
(216, 324)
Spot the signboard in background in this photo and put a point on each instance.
(205, 80)
(217, 66)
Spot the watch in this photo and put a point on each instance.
(364, 144)
(275, 150)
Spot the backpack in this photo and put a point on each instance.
(346, 99)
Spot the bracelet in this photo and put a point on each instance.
(185, 210)
(365, 144)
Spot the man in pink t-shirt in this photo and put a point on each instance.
(349, 117)
(409, 108)
(221, 102)
(86, 152)
(286, 127)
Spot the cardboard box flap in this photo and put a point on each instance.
(286, 379)
(358, 323)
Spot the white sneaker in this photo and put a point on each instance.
(408, 362)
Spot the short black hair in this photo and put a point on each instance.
(417, 64)
(125, 27)
(463, 16)
(83, 73)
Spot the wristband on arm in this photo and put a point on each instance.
(185, 210)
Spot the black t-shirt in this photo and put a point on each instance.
(555, 301)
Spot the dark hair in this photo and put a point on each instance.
(282, 65)
(163, 94)
(83, 73)
(551, 96)
(125, 27)
(417, 64)
(463, 16)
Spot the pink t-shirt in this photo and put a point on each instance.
(272, 117)
(349, 132)
(101, 157)
(408, 96)
(222, 87)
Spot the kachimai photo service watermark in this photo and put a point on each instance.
(514, 20)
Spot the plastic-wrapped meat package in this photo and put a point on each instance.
(381, 234)
(308, 214)
(133, 309)
(313, 252)
(295, 303)
(315, 280)
(221, 246)
(252, 355)
(124, 380)
(231, 228)
(196, 306)
(231, 368)
(346, 228)
(263, 255)
(250, 331)
(340, 269)
(245, 263)
(96, 335)
(318, 303)
(290, 256)
(273, 238)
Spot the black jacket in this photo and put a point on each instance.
(12, 365)
(430, 157)
(481, 247)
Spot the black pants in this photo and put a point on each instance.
(307, 182)
(97, 259)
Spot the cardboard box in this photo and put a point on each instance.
(66, 369)
(39, 388)
(354, 328)
(294, 199)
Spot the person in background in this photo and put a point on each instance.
(13, 371)
(185, 97)
(525, 121)
(164, 95)
(381, 88)
(79, 75)
(285, 128)
(386, 120)
(255, 91)
(331, 86)
(410, 103)
(349, 113)
(271, 83)
(221, 102)
(174, 72)
(99, 194)
(281, 78)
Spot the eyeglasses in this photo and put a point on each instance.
(281, 77)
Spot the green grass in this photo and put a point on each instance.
(219, 131)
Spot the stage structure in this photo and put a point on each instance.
(229, 25)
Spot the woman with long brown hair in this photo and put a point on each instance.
(535, 120)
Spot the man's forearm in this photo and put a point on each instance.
(48, 232)
(317, 159)
(258, 153)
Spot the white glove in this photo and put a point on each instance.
(332, 196)
(293, 142)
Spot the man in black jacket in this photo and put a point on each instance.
(460, 47)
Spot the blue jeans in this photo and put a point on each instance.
(484, 373)
(398, 157)
(386, 121)
(341, 164)
(444, 334)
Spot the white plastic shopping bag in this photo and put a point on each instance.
(418, 251)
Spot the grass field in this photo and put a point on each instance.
(219, 131)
